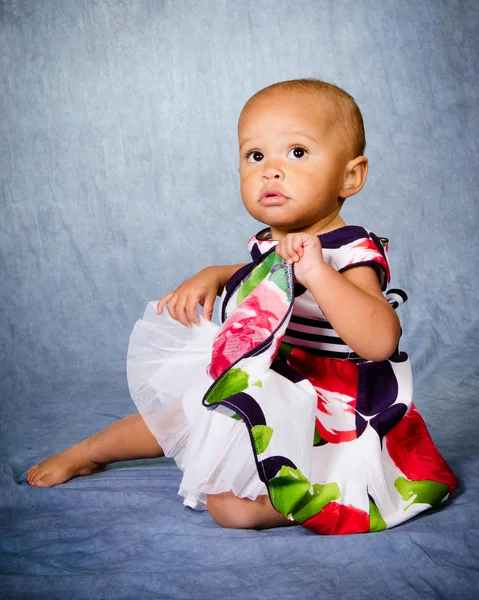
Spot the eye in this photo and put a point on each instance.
(297, 152)
(255, 156)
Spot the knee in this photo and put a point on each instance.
(232, 512)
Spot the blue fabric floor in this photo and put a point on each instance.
(124, 533)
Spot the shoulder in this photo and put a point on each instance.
(353, 246)
(352, 236)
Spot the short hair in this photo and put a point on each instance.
(344, 102)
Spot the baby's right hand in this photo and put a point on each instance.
(201, 289)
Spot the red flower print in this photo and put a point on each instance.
(330, 374)
(365, 250)
(413, 452)
(336, 436)
(247, 327)
(336, 383)
(338, 519)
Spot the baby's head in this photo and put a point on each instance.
(340, 107)
(303, 139)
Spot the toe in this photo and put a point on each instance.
(41, 483)
(31, 474)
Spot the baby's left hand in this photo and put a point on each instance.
(305, 252)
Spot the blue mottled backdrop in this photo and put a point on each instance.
(118, 179)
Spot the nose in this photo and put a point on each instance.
(272, 171)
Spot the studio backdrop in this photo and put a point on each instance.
(119, 179)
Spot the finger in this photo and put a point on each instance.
(286, 252)
(190, 311)
(180, 313)
(208, 305)
(171, 307)
(281, 250)
(289, 258)
(163, 302)
(296, 247)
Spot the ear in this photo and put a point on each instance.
(355, 175)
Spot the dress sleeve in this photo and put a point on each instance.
(369, 250)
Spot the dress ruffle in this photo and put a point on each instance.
(167, 375)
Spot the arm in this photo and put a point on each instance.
(351, 301)
(201, 289)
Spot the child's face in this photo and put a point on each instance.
(293, 157)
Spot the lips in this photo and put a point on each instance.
(271, 197)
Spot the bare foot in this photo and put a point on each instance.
(61, 467)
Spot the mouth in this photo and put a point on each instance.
(272, 198)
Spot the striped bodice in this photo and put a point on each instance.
(343, 248)
(313, 332)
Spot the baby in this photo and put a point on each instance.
(301, 148)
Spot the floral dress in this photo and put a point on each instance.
(274, 402)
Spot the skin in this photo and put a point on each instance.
(271, 131)
(200, 289)
(291, 143)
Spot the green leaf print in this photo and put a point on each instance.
(322, 495)
(232, 382)
(284, 351)
(290, 494)
(279, 279)
(288, 490)
(317, 438)
(258, 383)
(261, 437)
(376, 522)
(421, 492)
(257, 275)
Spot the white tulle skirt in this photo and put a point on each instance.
(167, 376)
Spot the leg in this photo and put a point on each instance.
(241, 513)
(127, 439)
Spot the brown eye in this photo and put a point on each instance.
(297, 152)
(255, 156)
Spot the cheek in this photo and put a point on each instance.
(246, 186)
(316, 179)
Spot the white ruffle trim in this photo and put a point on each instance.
(167, 376)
